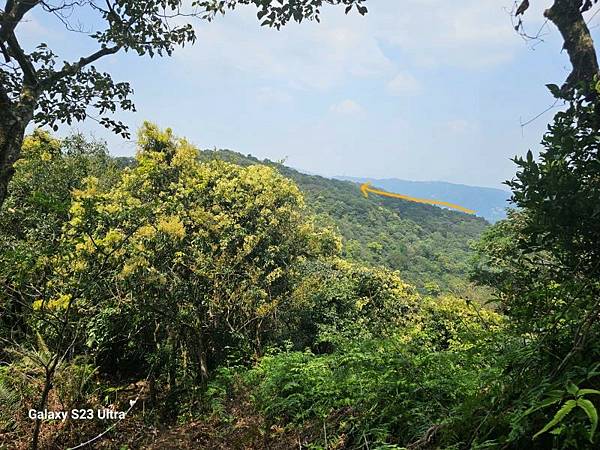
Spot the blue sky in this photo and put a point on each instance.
(417, 89)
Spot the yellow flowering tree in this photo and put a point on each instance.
(32, 218)
(184, 260)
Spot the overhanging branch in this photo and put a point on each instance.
(72, 69)
(567, 16)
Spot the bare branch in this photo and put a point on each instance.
(4, 52)
(15, 50)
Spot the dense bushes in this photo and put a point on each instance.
(378, 392)
(32, 217)
(544, 263)
(336, 301)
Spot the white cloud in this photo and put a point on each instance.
(307, 55)
(404, 84)
(347, 107)
(468, 34)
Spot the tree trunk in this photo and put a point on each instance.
(203, 366)
(50, 371)
(12, 132)
(202, 373)
(567, 16)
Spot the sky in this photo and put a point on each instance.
(416, 89)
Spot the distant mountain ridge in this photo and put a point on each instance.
(489, 203)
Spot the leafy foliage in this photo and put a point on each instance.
(335, 302)
(543, 261)
(377, 392)
(278, 14)
(579, 401)
(176, 262)
(561, 191)
(32, 218)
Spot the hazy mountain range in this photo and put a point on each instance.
(489, 203)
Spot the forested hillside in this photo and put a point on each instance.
(430, 246)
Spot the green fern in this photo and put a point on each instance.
(578, 401)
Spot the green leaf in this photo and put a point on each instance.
(591, 412)
(546, 402)
(560, 415)
(529, 156)
(554, 89)
(555, 393)
(571, 388)
(588, 391)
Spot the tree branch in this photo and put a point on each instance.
(15, 50)
(8, 6)
(72, 69)
(5, 101)
(15, 10)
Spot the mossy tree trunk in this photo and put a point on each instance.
(12, 132)
(567, 15)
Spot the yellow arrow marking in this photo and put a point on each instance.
(365, 188)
